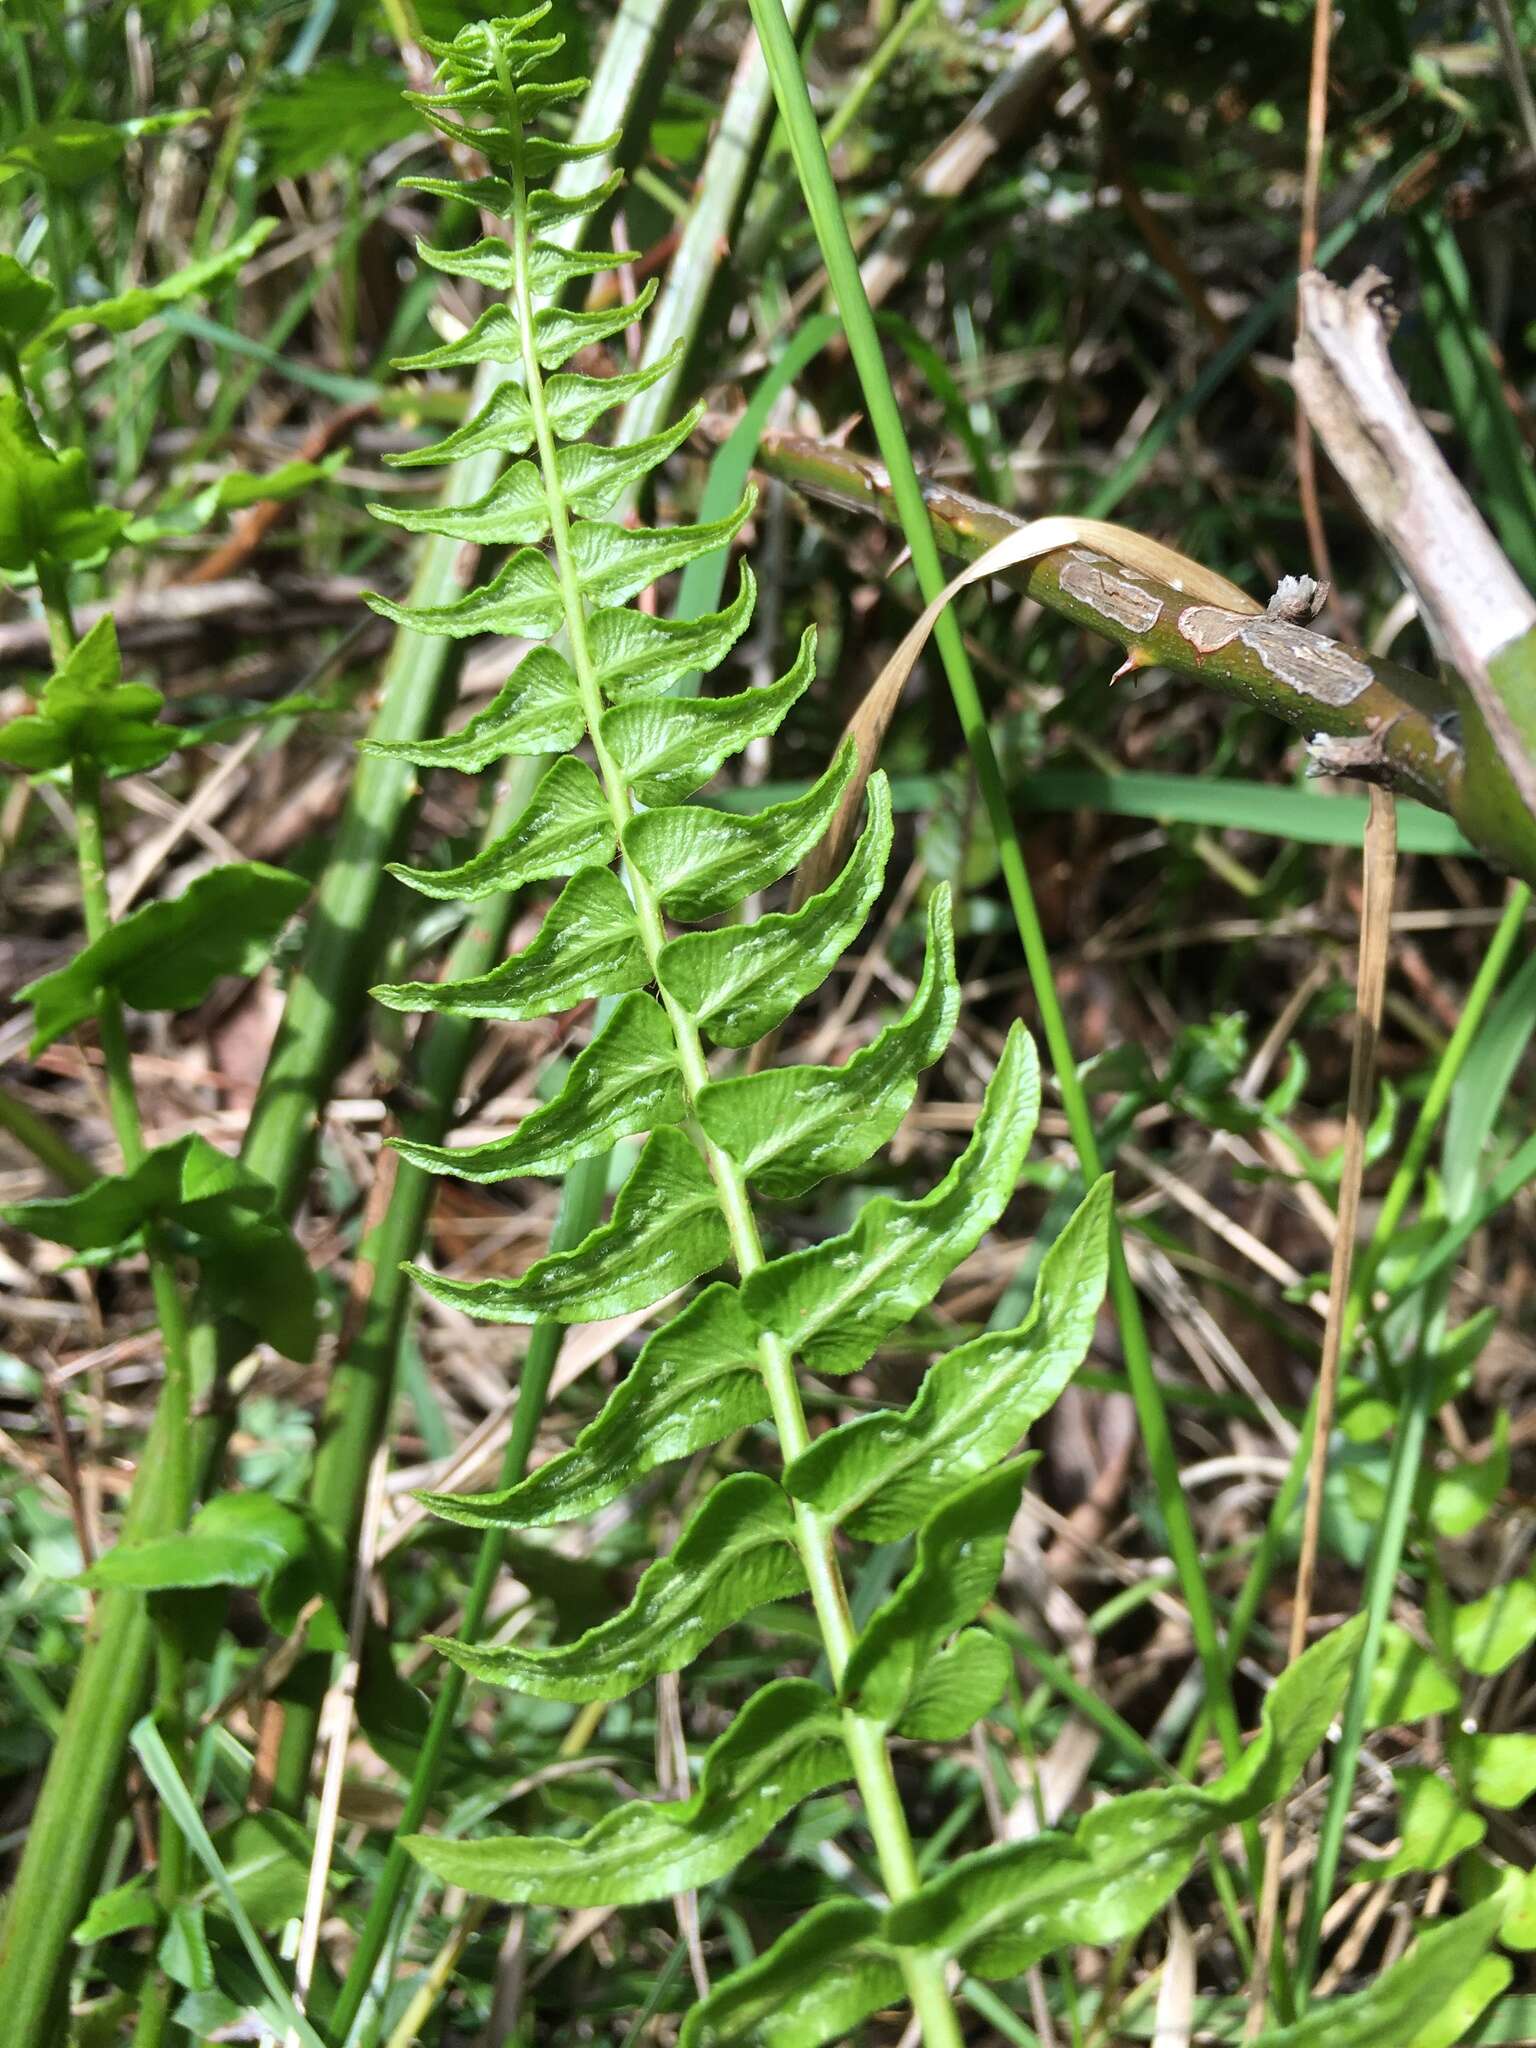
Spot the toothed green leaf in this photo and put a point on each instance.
(485, 195)
(576, 401)
(959, 1556)
(491, 262)
(700, 861)
(742, 981)
(613, 562)
(817, 1983)
(559, 334)
(954, 1689)
(696, 1381)
(736, 1552)
(537, 711)
(882, 1474)
(522, 600)
(666, 1229)
(502, 426)
(514, 512)
(547, 206)
(785, 1743)
(636, 655)
(789, 1127)
(540, 153)
(565, 825)
(588, 945)
(835, 1303)
(494, 338)
(594, 477)
(669, 746)
(167, 956)
(1004, 1909)
(626, 1080)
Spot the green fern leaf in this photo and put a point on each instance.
(666, 1230)
(700, 861)
(588, 945)
(959, 1555)
(791, 1126)
(736, 1553)
(953, 1690)
(817, 1983)
(1003, 1909)
(514, 512)
(696, 1381)
(567, 824)
(626, 1080)
(593, 477)
(785, 1743)
(577, 402)
(537, 712)
(521, 600)
(836, 1302)
(881, 1475)
(502, 426)
(636, 655)
(743, 981)
(613, 562)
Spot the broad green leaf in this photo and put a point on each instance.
(613, 562)
(1464, 1496)
(46, 505)
(167, 956)
(1004, 1909)
(1453, 2021)
(626, 1080)
(87, 713)
(951, 1693)
(252, 1264)
(637, 655)
(789, 1127)
(817, 1983)
(669, 746)
(588, 945)
(127, 310)
(1408, 1683)
(882, 1474)
(700, 861)
(667, 1228)
(502, 426)
(835, 1303)
(743, 980)
(73, 152)
(736, 1553)
(537, 712)
(1489, 1634)
(565, 825)
(1387, 2012)
(1497, 1770)
(24, 301)
(955, 1571)
(696, 1381)
(232, 493)
(1433, 1824)
(786, 1743)
(522, 601)
(237, 1539)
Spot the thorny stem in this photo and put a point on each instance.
(865, 1738)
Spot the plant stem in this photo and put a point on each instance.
(101, 1702)
(865, 1739)
(822, 199)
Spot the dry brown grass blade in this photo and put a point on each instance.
(1380, 874)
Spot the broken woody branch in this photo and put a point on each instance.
(1365, 717)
